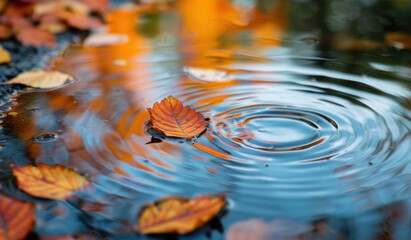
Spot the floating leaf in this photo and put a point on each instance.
(104, 39)
(41, 79)
(53, 182)
(42, 37)
(4, 56)
(179, 215)
(174, 119)
(16, 218)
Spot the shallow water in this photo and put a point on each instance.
(309, 112)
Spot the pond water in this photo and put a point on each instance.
(310, 120)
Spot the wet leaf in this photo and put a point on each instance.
(41, 79)
(179, 215)
(174, 119)
(53, 182)
(16, 218)
(105, 39)
(42, 37)
(4, 56)
(80, 21)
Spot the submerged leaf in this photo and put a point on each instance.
(41, 79)
(16, 218)
(53, 182)
(4, 56)
(179, 215)
(174, 119)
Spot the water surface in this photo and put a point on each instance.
(309, 108)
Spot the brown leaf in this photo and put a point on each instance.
(79, 21)
(4, 56)
(53, 182)
(5, 31)
(16, 218)
(100, 6)
(179, 215)
(41, 79)
(104, 39)
(36, 37)
(398, 40)
(174, 119)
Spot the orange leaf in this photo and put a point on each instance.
(174, 119)
(179, 215)
(53, 182)
(16, 218)
(41, 37)
(80, 21)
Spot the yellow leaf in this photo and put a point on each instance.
(4, 56)
(179, 215)
(41, 79)
(16, 218)
(174, 119)
(53, 182)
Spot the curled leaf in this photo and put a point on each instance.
(41, 79)
(53, 182)
(174, 119)
(16, 218)
(4, 56)
(179, 215)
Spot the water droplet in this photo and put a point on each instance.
(45, 137)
